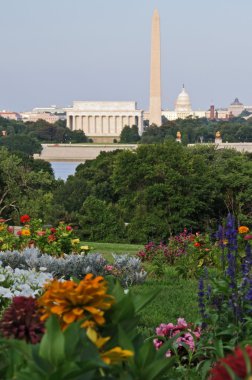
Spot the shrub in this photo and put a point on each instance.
(128, 270)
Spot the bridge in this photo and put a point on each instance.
(77, 152)
(83, 152)
(240, 146)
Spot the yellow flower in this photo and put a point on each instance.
(116, 355)
(95, 338)
(113, 356)
(243, 230)
(75, 241)
(87, 300)
(1, 228)
(25, 232)
(84, 248)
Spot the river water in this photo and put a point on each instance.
(64, 169)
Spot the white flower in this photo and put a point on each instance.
(2, 277)
(5, 292)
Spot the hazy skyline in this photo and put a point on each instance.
(54, 52)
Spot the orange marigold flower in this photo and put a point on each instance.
(197, 244)
(87, 300)
(26, 232)
(243, 230)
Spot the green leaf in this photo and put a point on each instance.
(140, 301)
(247, 361)
(52, 346)
(157, 368)
(124, 340)
(205, 369)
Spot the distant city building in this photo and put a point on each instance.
(103, 121)
(183, 108)
(10, 115)
(218, 114)
(236, 108)
(33, 117)
(52, 110)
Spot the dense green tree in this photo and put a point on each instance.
(21, 143)
(158, 190)
(100, 221)
(199, 130)
(23, 190)
(129, 135)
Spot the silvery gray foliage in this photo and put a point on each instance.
(131, 269)
(66, 267)
(128, 268)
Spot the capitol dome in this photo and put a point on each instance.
(183, 103)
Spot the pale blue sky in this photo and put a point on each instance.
(57, 51)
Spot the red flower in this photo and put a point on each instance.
(19, 233)
(2, 220)
(53, 230)
(24, 219)
(68, 228)
(247, 237)
(51, 238)
(235, 361)
(22, 320)
(197, 244)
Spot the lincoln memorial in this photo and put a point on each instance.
(103, 121)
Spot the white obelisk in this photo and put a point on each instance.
(155, 74)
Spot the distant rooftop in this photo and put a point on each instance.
(236, 102)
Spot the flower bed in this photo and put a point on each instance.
(128, 270)
(54, 241)
(85, 329)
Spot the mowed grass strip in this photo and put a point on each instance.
(108, 248)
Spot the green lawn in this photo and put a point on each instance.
(176, 297)
(108, 248)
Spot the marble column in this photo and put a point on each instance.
(73, 123)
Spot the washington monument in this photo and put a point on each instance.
(155, 80)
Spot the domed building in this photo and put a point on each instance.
(183, 103)
(236, 108)
(183, 108)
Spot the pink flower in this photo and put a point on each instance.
(10, 229)
(247, 237)
(197, 332)
(68, 228)
(157, 343)
(168, 354)
(109, 268)
(181, 323)
(40, 233)
(164, 330)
